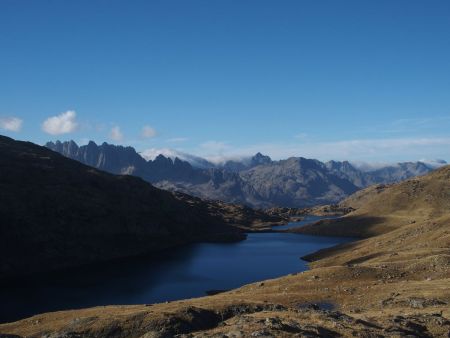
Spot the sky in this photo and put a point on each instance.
(356, 80)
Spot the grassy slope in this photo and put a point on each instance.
(380, 209)
(395, 283)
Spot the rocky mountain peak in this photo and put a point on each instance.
(163, 160)
(259, 159)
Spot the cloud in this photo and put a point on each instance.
(148, 132)
(436, 163)
(373, 150)
(11, 123)
(61, 124)
(370, 166)
(196, 161)
(116, 134)
(379, 146)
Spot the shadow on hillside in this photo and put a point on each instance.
(351, 226)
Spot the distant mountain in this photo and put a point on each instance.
(297, 181)
(345, 170)
(436, 163)
(107, 157)
(56, 212)
(195, 161)
(386, 174)
(175, 175)
(245, 163)
(257, 181)
(399, 172)
(126, 161)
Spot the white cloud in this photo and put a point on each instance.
(378, 147)
(11, 123)
(116, 134)
(152, 153)
(369, 166)
(372, 150)
(218, 151)
(61, 124)
(196, 161)
(436, 163)
(148, 132)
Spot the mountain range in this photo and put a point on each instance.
(257, 181)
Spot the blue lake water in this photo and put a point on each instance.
(175, 274)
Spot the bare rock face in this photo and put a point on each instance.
(297, 182)
(56, 212)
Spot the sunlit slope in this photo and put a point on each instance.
(380, 209)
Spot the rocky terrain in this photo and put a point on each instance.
(393, 283)
(256, 181)
(56, 212)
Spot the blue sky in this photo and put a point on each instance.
(358, 80)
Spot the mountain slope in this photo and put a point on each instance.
(56, 212)
(246, 163)
(383, 208)
(297, 181)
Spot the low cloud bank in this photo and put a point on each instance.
(364, 150)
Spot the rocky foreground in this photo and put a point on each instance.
(394, 283)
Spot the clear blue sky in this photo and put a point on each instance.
(361, 80)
